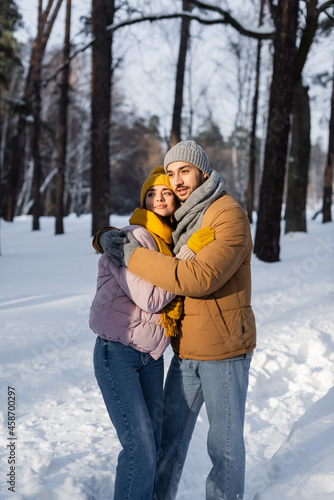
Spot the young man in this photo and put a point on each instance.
(212, 355)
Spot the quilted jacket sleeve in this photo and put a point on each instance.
(148, 297)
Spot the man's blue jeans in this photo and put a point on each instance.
(131, 384)
(222, 386)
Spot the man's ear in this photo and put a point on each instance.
(205, 176)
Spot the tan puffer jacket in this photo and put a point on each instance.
(218, 320)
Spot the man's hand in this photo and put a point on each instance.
(201, 238)
(118, 246)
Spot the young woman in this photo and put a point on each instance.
(134, 321)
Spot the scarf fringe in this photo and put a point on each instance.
(170, 324)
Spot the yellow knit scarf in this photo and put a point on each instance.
(162, 235)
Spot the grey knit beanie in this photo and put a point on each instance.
(189, 152)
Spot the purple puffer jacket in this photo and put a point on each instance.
(126, 308)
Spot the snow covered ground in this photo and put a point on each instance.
(66, 447)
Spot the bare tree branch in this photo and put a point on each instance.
(229, 19)
(329, 16)
(225, 19)
(260, 35)
(49, 25)
(273, 10)
(325, 6)
(47, 12)
(12, 100)
(54, 75)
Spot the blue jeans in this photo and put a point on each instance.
(131, 384)
(222, 386)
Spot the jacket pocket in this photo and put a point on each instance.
(217, 318)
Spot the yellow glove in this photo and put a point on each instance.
(201, 238)
(175, 308)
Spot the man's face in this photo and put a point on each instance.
(184, 178)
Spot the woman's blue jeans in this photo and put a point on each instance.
(222, 386)
(131, 384)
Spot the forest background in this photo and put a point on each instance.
(93, 95)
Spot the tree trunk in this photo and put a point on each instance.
(301, 129)
(62, 138)
(328, 180)
(14, 172)
(102, 16)
(181, 65)
(268, 229)
(299, 160)
(253, 146)
(37, 123)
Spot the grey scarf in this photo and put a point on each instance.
(189, 216)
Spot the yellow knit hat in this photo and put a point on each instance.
(157, 177)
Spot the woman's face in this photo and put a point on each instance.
(160, 200)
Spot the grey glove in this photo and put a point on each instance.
(106, 241)
(118, 246)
